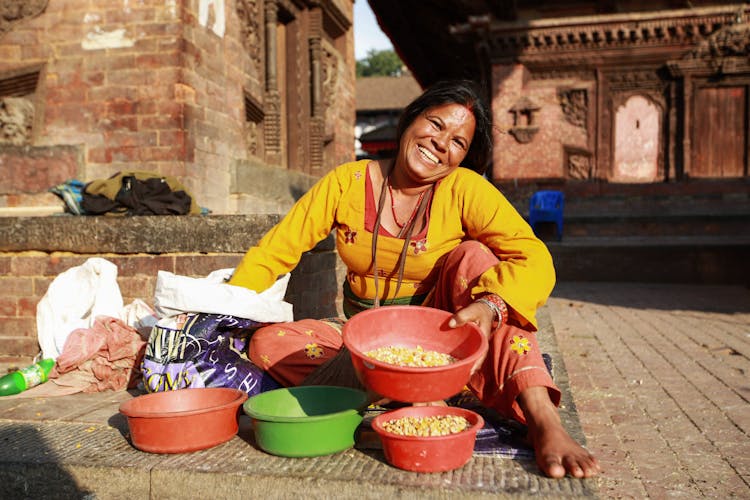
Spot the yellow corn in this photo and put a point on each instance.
(412, 357)
(440, 425)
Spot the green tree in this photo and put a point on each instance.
(380, 63)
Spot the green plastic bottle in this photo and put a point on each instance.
(26, 378)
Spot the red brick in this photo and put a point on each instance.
(17, 327)
(162, 60)
(40, 286)
(29, 266)
(137, 288)
(15, 286)
(120, 106)
(99, 155)
(163, 154)
(200, 266)
(109, 92)
(124, 154)
(162, 121)
(27, 307)
(9, 306)
(22, 347)
(60, 262)
(142, 265)
(173, 138)
(35, 170)
(119, 123)
(131, 16)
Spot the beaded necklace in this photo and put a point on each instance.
(405, 232)
(393, 208)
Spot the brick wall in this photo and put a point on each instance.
(28, 263)
(156, 86)
(543, 156)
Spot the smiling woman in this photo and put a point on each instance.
(424, 228)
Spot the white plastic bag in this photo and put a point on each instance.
(73, 300)
(176, 294)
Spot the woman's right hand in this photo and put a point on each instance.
(481, 315)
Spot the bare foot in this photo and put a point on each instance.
(556, 452)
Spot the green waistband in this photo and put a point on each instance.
(353, 304)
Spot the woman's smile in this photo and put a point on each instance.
(434, 144)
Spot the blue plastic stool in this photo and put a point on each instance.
(547, 206)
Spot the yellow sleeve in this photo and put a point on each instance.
(525, 276)
(308, 222)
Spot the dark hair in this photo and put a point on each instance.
(466, 93)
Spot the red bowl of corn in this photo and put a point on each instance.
(410, 354)
(428, 438)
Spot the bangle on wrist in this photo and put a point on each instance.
(498, 306)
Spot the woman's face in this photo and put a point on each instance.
(436, 143)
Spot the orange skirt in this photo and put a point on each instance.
(290, 352)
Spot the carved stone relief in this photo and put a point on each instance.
(578, 163)
(732, 40)
(12, 11)
(251, 138)
(575, 106)
(251, 32)
(726, 51)
(16, 119)
(330, 73)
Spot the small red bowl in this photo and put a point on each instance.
(183, 420)
(433, 453)
(412, 326)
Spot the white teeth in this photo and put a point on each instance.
(427, 154)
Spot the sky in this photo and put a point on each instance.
(367, 34)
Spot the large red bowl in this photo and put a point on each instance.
(412, 326)
(433, 453)
(183, 420)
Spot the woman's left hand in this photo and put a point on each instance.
(480, 314)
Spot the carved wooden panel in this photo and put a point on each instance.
(249, 12)
(720, 132)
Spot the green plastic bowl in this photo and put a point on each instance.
(306, 421)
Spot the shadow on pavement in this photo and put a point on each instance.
(31, 469)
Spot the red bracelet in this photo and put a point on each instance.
(498, 305)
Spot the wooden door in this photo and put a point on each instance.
(720, 132)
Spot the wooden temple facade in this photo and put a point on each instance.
(601, 93)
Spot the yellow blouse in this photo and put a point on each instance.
(464, 206)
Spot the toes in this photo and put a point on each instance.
(552, 466)
(581, 466)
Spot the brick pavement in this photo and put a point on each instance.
(659, 375)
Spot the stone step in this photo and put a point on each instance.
(653, 259)
(658, 225)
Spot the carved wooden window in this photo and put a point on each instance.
(253, 126)
(17, 107)
(524, 125)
